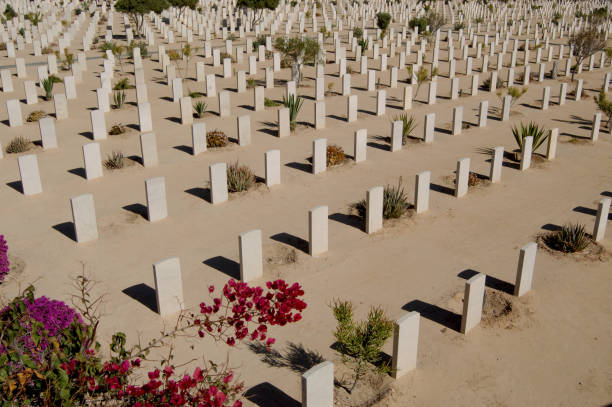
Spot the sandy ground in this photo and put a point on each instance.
(554, 352)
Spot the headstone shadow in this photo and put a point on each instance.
(224, 265)
(16, 185)
(291, 240)
(349, 220)
(267, 395)
(79, 172)
(143, 294)
(490, 281)
(434, 313)
(138, 209)
(202, 193)
(66, 229)
(295, 357)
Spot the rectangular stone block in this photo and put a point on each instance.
(526, 153)
(405, 344)
(93, 161)
(177, 89)
(198, 138)
(244, 130)
(457, 120)
(283, 122)
(462, 177)
(319, 155)
(61, 106)
(603, 212)
(317, 231)
(407, 103)
(506, 104)
(70, 87)
(551, 148)
(381, 102)
(186, 107)
(84, 217)
(30, 176)
(218, 183)
(319, 119)
(98, 125)
(360, 145)
(157, 208)
(47, 133)
(526, 264)
(148, 149)
(168, 286)
(319, 89)
(496, 164)
(421, 191)
(596, 126)
(251, 264)
(397, 129)
(318, 386)
(482, 113)
(428, 128)
(7, 81)
(14, 113)
(351, 114)
(473, 300)
(374, 209)
(102, 96)
(433, 87)
(545, 97)
(211, 88)
(224, 104)
(144, 117)
(273, 168)
(30, 92)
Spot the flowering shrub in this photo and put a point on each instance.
(49, 354)
(4, 261)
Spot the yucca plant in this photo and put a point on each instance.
(239, 177)
(294, 104)
(571, 238)
(199, 108)
(122, 84)
(408, 125)
(47, 85)
(395, 202)
(539, 134)
(119, 99)
(363, 43)
(115, 161)
(18, 145)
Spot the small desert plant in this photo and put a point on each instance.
(239, 177)
(487, 84)
(539, 134)
(515, 93)
(363, 43)
(199, 108)
(5, 264)
(118, 99)
(114, 161)
(122, 84)
(250, 83)
(335, 155)
(270, 102)
(18, 145)
(216, 138)
(173, 55)
(408, 125)
(357, 32)
(330, 88)
(194, 95)
(395, 203)
(459, 26)
(571, 238)
(47, 85)
(294, 104)
(117, 129)
(361, 342)
(36, 116)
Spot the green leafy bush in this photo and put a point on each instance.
(294, 104)
(200, 109)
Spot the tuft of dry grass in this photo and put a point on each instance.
(216, 138)
(17, 145)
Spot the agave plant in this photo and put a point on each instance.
(199, 108)
(119, 99)
(408, 125)
(115, 161)
(539, 134)
(571, 238)
(294, 104)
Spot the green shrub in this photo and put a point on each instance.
(122, 84)
(270, 102)
(118, 99)
(539, 134)
(239, 177)
(408, 125)
(357, 32)
(395, 203)
(216, 138)
(294, 104)
(199, 108)
(250, 83)
(19, 144)
(114, 161)
(361, 342)
(571, 238)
